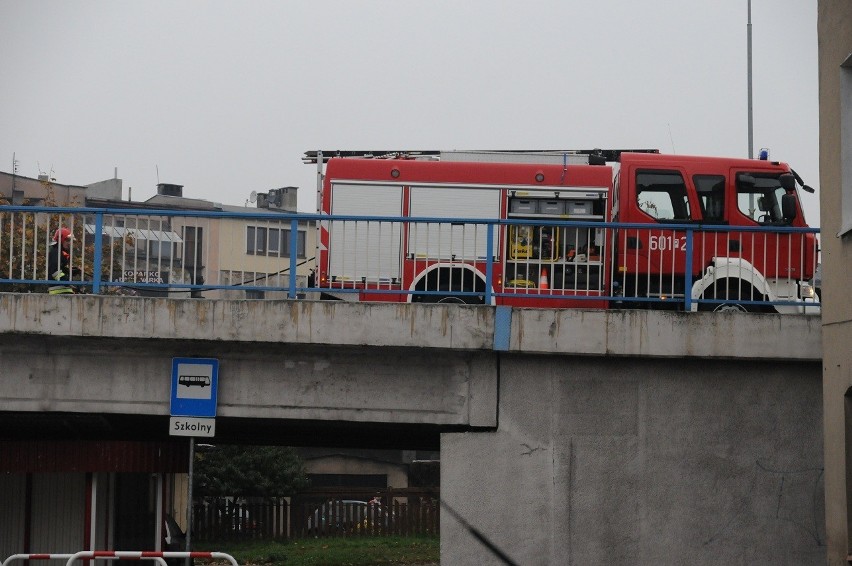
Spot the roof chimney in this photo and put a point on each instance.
(170, 190)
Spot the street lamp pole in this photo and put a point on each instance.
(750, 111)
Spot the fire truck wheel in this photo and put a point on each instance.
(733, 293)
(451, 299)
(730, 308)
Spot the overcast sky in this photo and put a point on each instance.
(224, 97)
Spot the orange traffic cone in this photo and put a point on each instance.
(542, 279)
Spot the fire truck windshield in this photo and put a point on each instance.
(759, 197)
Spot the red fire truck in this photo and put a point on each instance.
(591, 229)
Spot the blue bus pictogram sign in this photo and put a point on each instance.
(195, 385)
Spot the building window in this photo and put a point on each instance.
(273, 242)
(192, 238)
(300, 243)
(846, 147)
(159, 249)
(255, 240)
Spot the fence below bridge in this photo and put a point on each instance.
(358, 513)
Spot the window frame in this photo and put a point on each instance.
(282, 238)
(252, 247)
(713, 179)
(774, 214)
(845, 103)
(690, 216)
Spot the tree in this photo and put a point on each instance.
(245, 471)
(24, 241)
(21, 256)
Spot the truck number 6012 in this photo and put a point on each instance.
(664, 243)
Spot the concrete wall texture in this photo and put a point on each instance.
(834, 26)
(642, 461)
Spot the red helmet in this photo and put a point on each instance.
(63, 234)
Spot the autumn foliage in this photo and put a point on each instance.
(25, 238)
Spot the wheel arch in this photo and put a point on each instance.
(472, 279)
(732, 271)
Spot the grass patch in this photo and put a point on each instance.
(348, 551)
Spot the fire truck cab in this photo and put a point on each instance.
(739, 267)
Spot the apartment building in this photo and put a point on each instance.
(834, 26)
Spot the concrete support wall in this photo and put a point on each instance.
(642, 461)
(834, 26)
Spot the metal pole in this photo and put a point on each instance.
(489, 262)
(189, 500)
(99, 252)
(294, 248)
(750, 110)
(318, 237)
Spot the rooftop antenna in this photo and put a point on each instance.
(14, 173)
(671, 138)
(158, 173)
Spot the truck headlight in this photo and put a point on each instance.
(806, 291)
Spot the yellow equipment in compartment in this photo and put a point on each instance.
(520, 242)
(534, 242)
(519, 284)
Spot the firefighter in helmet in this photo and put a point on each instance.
(59, 261)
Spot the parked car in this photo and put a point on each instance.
(348, 515)
(238, 519)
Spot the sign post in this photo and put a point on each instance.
(195, 389)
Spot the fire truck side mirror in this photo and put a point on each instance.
(788, 207)
(788, 182)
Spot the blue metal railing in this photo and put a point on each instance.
(370, 263)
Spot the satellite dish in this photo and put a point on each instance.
(253, 196)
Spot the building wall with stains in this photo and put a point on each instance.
(641, 461)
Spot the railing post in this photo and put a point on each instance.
(99, 249)
(489, 261)
(294, 247)
(687, 281)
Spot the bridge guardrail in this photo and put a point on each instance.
(253, 255)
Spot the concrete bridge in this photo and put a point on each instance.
(566, 437)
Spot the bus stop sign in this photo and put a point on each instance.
(195, 385)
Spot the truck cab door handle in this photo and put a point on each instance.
(734, 245)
